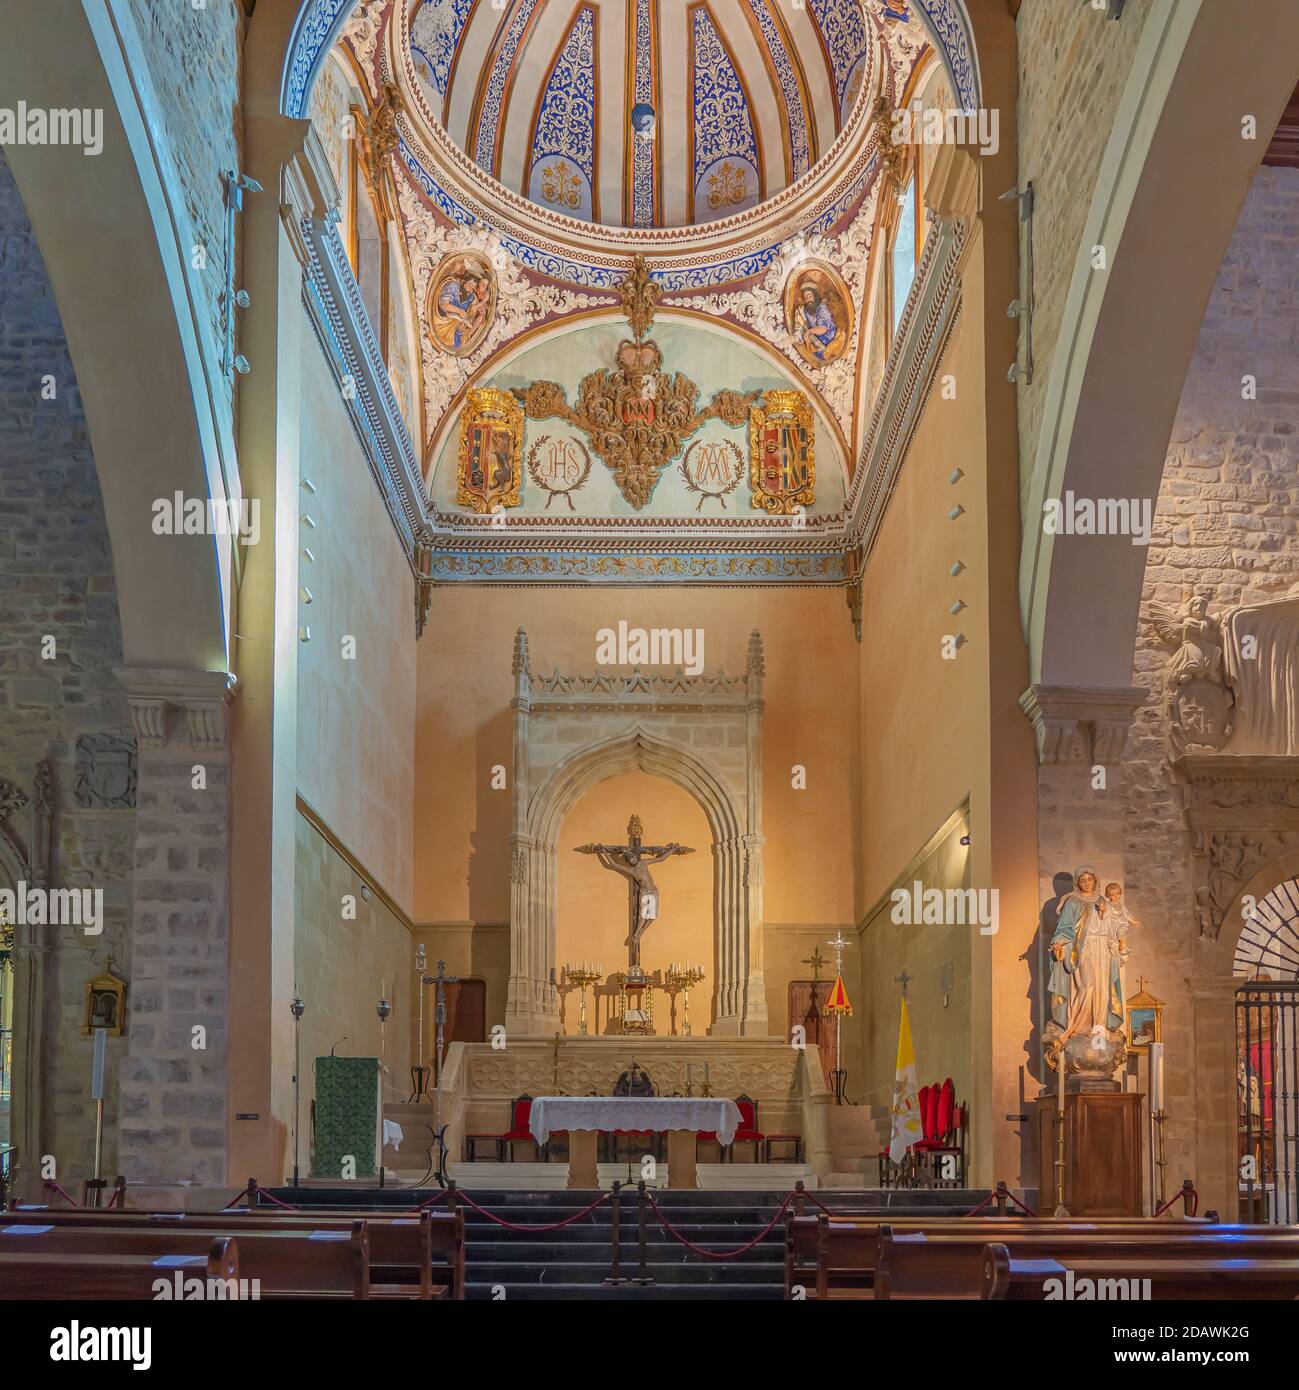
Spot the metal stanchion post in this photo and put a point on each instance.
(642, 1213)
(615, 1268)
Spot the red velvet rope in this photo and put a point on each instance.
(719, 1254)
(261, 1192)
(554, 1226)
(829, 1211)
(428, 1202)
(1028, 1211)
(112, 1201)
(1186, 1192)
(974, 1211)
(50, 1183)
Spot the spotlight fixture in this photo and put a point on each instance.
(965, 840)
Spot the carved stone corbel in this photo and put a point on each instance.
(203, 697)
(1075, 724)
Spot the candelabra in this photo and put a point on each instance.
(677, 979)
(384, 1010)
(579, 977)
(297, 1009)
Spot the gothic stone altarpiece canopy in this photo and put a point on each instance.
(656, 723)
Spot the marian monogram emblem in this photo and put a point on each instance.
(782, 468)
(636, 416)
(712, 468)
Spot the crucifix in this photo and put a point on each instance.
(903, 979)
(440, 981)
(815, 961)
(632, 861)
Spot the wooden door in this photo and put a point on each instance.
(467, 1011)
(805, 1000)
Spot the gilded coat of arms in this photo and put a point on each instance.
(491, 451)
(782, 467)
(636, 416)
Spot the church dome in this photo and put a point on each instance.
(643, 113)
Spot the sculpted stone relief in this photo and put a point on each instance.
(1232, 684)
(506, 1075)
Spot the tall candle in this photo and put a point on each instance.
(1156, 1076)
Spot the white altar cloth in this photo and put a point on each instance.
(695, 1113)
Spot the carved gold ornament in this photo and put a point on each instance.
(637, 417)
(640, 297)
(782, 465)
(491, 451)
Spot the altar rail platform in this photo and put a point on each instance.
(574, 1262)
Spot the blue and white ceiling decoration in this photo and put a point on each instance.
(727, 163)
(434, 35)
(562, 173)
(442, 31)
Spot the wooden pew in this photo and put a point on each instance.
(1172, 1277)
(948, 1264)
(28, 1275)
(289, 1264)
(852, 1243)
(411, 1255)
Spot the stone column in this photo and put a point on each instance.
(755, 1001)
(1080, 736)
(1212, 1097)
(173, 1086)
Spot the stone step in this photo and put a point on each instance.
(659, 1251)
(662, 1272)
(627, 1292)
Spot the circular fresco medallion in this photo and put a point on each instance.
(461, 303)
(818, 313)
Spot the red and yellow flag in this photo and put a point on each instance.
(838, 1003)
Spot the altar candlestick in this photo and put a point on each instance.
(1156, 1076)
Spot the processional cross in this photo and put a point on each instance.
(632, 861)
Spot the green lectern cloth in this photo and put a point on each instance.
(347, 1117)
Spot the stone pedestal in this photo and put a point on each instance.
(1104, 1138)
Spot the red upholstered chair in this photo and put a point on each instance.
(747, 1131)
(950, 1122)
(520, 1114)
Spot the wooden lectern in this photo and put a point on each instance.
(1103, 1140)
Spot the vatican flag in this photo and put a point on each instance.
(906, 1104)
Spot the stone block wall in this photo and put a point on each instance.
(193, 54)
(1227, 523)
(56, 580)
(1073, 66)
(174, 1081)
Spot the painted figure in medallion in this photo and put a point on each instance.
(461, 303)
(818, 314)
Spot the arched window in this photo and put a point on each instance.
(903, 253)
(1269, 940)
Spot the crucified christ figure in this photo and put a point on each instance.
(632, 861)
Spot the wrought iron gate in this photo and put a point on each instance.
(1267, 1099)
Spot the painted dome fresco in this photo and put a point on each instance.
(643, 113)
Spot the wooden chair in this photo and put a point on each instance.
(520, 1113)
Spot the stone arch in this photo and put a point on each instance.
(702, 733)
(1212, 988)
(159, 414)
(1173, 178)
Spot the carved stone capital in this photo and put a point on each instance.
(202, 697)
(1075, 724)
